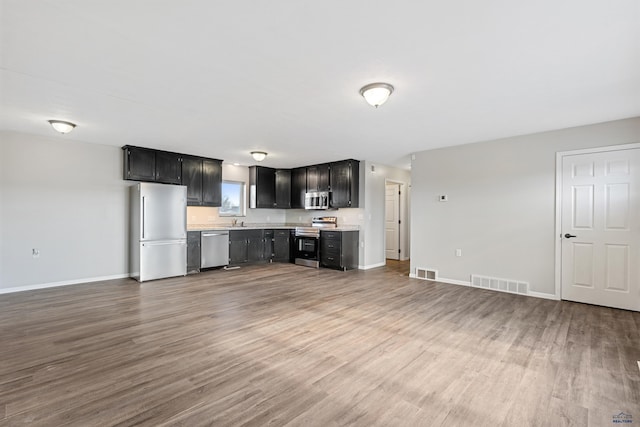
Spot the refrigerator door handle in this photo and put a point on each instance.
(143, 215)
(173, 242)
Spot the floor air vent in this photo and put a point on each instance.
(426, 274)
(497, 284)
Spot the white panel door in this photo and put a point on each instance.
(392, 221)
(601, 228)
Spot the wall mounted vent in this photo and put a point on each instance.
(497, 284)
(426, 274)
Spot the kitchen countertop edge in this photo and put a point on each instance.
(213, 227)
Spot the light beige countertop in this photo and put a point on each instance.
(270, 226)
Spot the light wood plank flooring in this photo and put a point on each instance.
(287, 345)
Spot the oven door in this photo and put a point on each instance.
(306, 251)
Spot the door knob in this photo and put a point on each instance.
(568, 236)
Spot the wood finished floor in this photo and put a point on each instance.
(293, 346)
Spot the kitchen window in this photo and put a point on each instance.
(233, 199)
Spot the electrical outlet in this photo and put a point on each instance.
(35, 253)
(458, 252)
(268, 218)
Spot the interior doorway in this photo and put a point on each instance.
(393, 221)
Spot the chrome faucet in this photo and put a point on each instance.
(234, 222)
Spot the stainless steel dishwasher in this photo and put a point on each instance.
(214, 248)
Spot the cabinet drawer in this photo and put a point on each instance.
(331, 260)
(327, 245)
(329, 252)
(281, 233)
(330, 235)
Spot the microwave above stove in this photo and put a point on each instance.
(317, 200)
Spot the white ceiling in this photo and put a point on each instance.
(220, 78)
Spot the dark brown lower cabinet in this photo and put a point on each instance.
(249, 246)
(193, 252)
(339, 249)
(281, 245)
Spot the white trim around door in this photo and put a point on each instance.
(558, 220)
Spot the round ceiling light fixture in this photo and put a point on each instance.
(258, 156)
(376, 94)
(62, 126)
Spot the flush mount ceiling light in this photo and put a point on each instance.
(376, 93)
(258, 156)
(62, 126)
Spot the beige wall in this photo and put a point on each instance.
(501, 208)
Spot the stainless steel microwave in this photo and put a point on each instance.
(317, 200)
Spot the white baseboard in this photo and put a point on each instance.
(370, 266)
(453, 281)
(63, 283)
(543, 295)
(443, 280)
(465, 283)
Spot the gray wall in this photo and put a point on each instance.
(501, 208)
(66, 199)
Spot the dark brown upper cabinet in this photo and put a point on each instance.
(283, 188)
(345, 182)
(143, 164)
(192, 178)
(211, 182)
(318, 177)
(202, 176)
(262, 187)
(298, 187)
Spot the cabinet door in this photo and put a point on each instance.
(192, 178)
(318, 177)
(281, 245)
(283, 188)
(344, 184)
(267, 248)
(312, 178)
(211, 182)
(255, 249)
(262, 187)
(324, 183)
(139, 164)
(237, 247)
(340, 184)
(168, 167)
(298, 187)
(193, 251)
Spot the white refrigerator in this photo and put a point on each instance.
(158, 231)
